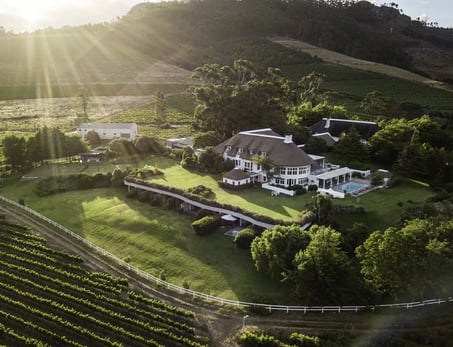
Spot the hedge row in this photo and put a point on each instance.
(60, 184)
(197, 198)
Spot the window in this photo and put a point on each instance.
(282, 171)
(263, 154)
(228, 148)
(280, 181)
(292, 171)
(236, 162)
(303, 170)
(240, 150)
(251, 151)
(247, 165)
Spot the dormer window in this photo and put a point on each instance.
(240, 150)
(263, 154)
(228, 148)
(251, 151)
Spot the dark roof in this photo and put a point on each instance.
(336, 127)
(236, 175)
(254, 142)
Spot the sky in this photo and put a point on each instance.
(28, 15)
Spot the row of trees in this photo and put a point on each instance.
(46, 143)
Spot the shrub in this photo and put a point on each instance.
(244, 238)
(298, 189)
(302, 340)
(186, 284)
(312, 188)
(201, 190)
(206, 225)
(143, 196)
(250, 338)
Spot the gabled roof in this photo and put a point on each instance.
(107, 125)
(236, 175)
(280, 150)
(336, 127)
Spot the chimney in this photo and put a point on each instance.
(288, 139)
(327, 126)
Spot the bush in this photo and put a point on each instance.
(201, 190)
(244, 238)
(302, 340)
(298, 189)
(250, 338)
(312, 188)
(206, 225)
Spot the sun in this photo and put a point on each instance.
(30, 10)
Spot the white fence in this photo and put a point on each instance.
(278, 190)
(211, 298)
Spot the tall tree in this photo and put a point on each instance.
(238, 97)
(413, 262)
(273, 252)
(322, 268)
(351, 148)
(160, 108)
(14, 150)
(311, 88)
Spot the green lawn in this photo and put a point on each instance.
(381, 206)
(155, 240)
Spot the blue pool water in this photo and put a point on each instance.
(349, 187)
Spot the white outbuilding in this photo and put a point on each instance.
(108, 131)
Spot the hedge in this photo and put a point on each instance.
(206, 225)
(197, 198)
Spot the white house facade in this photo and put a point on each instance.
(291, 165)
(108, 131)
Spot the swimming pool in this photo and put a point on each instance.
(349, 187)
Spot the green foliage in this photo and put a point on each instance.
(148, 145)
(273, 252)
(206, 139)
(411, 262)
(118, 177)
(322, 208)
(238, 97)
(302, 340)
(122, 147)
(40, 286)
(209, 161)
(316, 145)
(376, 178)
(350, 147)
(250, 338)
(311, 88)
(93, 138)
(244, 238)
(321, 269)
(206, 225)
(14, 148)
(59, 184)
(202, 190)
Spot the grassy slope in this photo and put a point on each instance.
(155, 240)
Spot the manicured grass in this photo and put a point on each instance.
(155, 240)
(381, 206)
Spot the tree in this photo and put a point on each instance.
(273, 252)
(316, 145)
(160, 108)
(209, 161)
(311, 88)
(238, 97)
(387, 143)
(321, 269)
(118, 176)
(14, 150)
(351, 148)
(265, 163)
(122, 147)
(84, 98)
(377, 105)
(93, 138)
(322, 207)
(206, 139)
(409, 263)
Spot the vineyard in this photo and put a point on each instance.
(47, 298)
